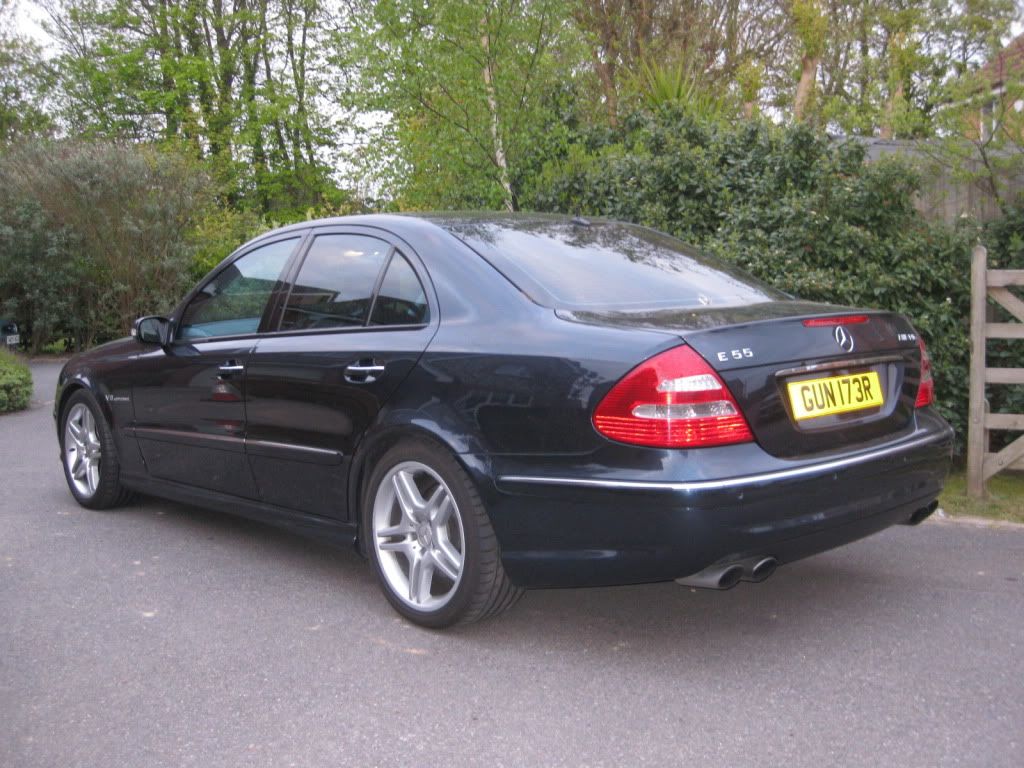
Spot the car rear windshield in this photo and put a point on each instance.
(602, 265)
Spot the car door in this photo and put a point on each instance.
(353, 324)
(189, 395)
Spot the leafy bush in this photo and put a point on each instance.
(797, 210)
(218, 233)
(93, 235)
(39, 274)
(15, 383)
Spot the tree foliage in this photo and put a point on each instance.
(889, 65)
(713, 43)
(240, 84)
(25, 81)
(93, 235)
(468, 90)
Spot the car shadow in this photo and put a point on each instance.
(814, 598)
(280, 545)
(821, 595)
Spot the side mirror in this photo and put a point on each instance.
(151, 330)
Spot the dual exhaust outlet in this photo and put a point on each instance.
(728, 575)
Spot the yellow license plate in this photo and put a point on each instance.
(812, 398)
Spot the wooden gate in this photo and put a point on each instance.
(995, 284)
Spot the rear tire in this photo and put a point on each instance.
(89, 455)
(430, 539)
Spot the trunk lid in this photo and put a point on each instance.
(760, 349)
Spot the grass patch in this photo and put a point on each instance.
(1005, 497)
(59, 347)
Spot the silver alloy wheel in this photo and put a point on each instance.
(82, 450)
(418, 535)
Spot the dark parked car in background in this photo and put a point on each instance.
(9, 335)
(486, 403)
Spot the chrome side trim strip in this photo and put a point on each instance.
(731, 482)
(186, 437)
(237, 443)
(250, 443)
(292, 452)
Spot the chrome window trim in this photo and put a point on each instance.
(343, 329)
(733, 482)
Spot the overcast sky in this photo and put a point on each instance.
(27, 17)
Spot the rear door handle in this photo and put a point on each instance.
(231, 367)
(363, 372)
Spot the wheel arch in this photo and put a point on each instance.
(385, 436)
(77, 383)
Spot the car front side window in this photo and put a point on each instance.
(232, 303)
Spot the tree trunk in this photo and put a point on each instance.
(888, 128)
(805, 88)
(196, 47)
(606, 74)
(864, 79)
(492, 106)
(163, 46)
(894, 49)
(604, 20)
(264, 45)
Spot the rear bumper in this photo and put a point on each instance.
(590, 528)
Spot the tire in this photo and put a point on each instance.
(430, 539)
(89, 455)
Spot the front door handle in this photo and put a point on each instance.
(363, 372)
(231, 367)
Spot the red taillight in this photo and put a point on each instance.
(926, 389)
(673, 400)
(817, 322)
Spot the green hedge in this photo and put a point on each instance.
(15, 383)
(800, 211)
(93, 235)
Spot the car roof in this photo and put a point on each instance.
(411, 222)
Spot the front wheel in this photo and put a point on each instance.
(431, 541)
(89, 454)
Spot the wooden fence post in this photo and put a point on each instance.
(977, 434)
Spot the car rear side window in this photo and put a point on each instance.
(335, 283)
(401, 299)
(232, 303)
(571, 265)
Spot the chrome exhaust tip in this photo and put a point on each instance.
(758, 568)
(724, 576)
(730, 577)
(763, 569)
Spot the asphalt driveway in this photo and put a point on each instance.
(164, 635)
